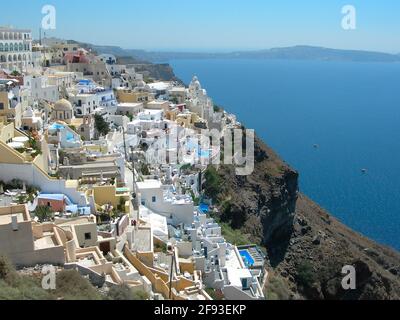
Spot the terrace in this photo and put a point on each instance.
(252, 256)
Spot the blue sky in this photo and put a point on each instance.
(214, 25)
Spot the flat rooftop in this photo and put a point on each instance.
(160, 86)
(19, 211)
(6, 219)
(149, 184)
(142, 241)
(130, 104)
(178, 89)
(160, 103)
(152, 111)
(95, 165)
(45, 243)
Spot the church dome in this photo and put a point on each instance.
(141, 84)
(195, 84)
(63, 105)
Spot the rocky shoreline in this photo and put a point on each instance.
(306, 246)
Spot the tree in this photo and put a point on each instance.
(43, 213)
(174, 100)
(213, 183)
(35, 145)
(217, 108)
(305, 274)
(144, 168)
(101, 125)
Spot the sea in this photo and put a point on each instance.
(337, 123)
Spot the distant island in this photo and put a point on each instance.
(286, 53)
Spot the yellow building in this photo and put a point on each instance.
(172, 114)
(129, 96)
(111, 195)
(8, 153)
(187, 120)
(7, 109)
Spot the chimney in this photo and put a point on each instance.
(14, 222)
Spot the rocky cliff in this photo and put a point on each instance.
(306, 247)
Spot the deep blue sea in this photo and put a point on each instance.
(351, 110)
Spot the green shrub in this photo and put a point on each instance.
(276, 288)
(160, 247)
(16, 287)
(7, 272)
(101, 125)
(140, 295)
(72, 286)
(44, 213)
(305, 274)
(234, 236)
(121, 293)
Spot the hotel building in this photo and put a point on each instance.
(15, 49)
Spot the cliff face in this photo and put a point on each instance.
(163, 72)
(307, 248)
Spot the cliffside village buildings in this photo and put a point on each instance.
(119, 215)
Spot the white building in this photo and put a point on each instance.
(151, 115)
(107, 58)
(15, 49)
(41, 89)
(160, 89)
(201, 104)
(31, 120)
(87, 97)
(178, 209)
(221, 263)
(84, 103)
(129, 108)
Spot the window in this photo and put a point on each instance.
(1, 106)
(88, 236)
(154, 199)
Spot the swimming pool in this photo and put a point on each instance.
(204, 208)
(70, 136)
(56, 126)
(247, 258)
(204, 154)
